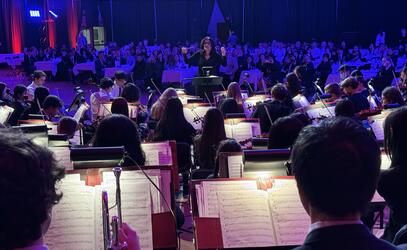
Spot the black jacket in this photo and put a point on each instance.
(276, 110)
(215, 61)
(345, 237)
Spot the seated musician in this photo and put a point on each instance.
(120, 106)
(350, 87)
(362, 87)
(334, 91)
(233, 102)
(344, 72)
(20, 104)
(51, 107)
(157, 110)
(284, 132)
(385, 75)
(26, 206)
(100, 97)
(5, 96)
(392, 184)
(120, 80)
(276, 108)
(206, 144)
(40, 93)
(323, 157)
(392, 98)
(67, 126)
(225, 146)
(131, 93)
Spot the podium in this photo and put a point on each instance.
(207, 85)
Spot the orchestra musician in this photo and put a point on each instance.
(100, 97)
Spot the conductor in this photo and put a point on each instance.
(206, 57)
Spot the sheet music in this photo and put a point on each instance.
(290, 220)
(136, 207)
(209, 206)
(242, 132)
(5, 113)
(157, 153)
(256, 129)
(235, 166)
(377, 128)
(386, 162)
(80, 112)
(321, 112)
(191, 114)
(63, 156)
(245, 219)
(72, 224)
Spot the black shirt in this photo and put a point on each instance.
(198, 59)
(359, 101)
(276, 110)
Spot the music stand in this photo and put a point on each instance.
(207, 85)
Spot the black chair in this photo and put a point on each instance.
(200, 174)
(401, 236)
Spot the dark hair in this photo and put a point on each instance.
(345, 107)
(38, 74)
(213, 132)
(225, 146)
(395, 136)
(120, 106)
(106, 83)
(350, 82)
(344, 67)
(302, 117)
(333, 89)
(52, 101)
(3, 86)
(118, 130)
(279, 92)
(40, 94)
(67, 126)
(28, 174)
(208, 38)
(19, 91)
(393, 96)
(336, 165)
(120, 75)
(357, 74)
(173, 123)
(131, 93)
(284, 131)
(293, 84)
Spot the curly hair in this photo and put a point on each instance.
(28, 175)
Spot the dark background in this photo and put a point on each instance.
(264, 20)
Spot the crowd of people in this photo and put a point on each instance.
(322, 155)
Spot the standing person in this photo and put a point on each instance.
(206, 57)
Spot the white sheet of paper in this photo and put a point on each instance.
(386, 162)
(63, 156)
(245, 219)
(158, 153)
(377, 128)
(191, 115)
(241, 132)
(235, 166)
(80, 112)
(5, 113)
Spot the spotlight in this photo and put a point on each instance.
(53, 14)
(35, 13)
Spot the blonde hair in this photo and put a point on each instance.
(158, 107)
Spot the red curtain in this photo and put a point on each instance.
(13, 23)
(73, 7)
(49, 5)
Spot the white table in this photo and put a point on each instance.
(12, 60)
(88, 66)
(50, 66)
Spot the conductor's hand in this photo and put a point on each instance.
(223, 51)
(128, 235)
(184, 50)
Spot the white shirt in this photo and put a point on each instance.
(30, 89)
(96, 99)
(322, 224)
(116, 91)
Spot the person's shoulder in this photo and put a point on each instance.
(402, 247)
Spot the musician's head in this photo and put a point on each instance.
(3, 88)
(334, 90)
(28, 177)
(167, 94)
(20, 92)
(225, 146)
(120, 106)
(39, 77)
(345, 108)
(106, 84)
(120, 78)
(40, 93)
(118, 130)
(279, 92)
(336, 166)
(284, 131)
(403, 74)
(395, 137)
(213, 130)
(208, 45)
(349, 86)
(344, 71)
(392, 96)
(293, 84)
(131, 93)
(67, 126)
(51, 106)
(387, 62)
(234, 92)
